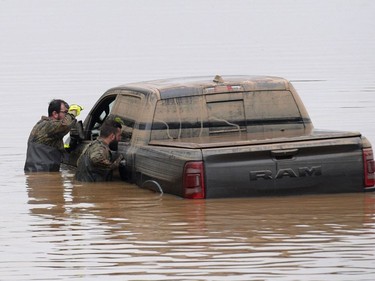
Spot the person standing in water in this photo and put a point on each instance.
(45, 144)
(96, 162)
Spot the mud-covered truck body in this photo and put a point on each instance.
(233, 136)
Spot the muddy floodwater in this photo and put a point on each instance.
(55, 228)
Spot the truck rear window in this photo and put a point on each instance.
(225, 113)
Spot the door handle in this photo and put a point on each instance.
(284, 153)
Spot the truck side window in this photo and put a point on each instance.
(183, 117)
(128, 107)
(99, 115)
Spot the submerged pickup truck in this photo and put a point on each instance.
(232, 136)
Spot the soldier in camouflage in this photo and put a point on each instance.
(96, 162)
(45, 144)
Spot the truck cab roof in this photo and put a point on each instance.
(191, 86)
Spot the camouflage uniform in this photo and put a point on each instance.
(45, 144)
(95, 163)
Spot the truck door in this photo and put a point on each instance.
(90, 129)
(128, 107)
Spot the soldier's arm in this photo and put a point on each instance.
(101, 159)
(63, 126)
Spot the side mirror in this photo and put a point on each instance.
(76, 136)
(77, 131)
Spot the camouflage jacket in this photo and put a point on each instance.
(51, 132)
(96, 163)
(45, 144)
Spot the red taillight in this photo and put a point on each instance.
(368, 160)
(193, 180)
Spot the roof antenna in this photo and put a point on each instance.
(218, 79)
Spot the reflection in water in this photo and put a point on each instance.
(46, 194)
(120, 230)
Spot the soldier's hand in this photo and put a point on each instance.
(119, 158)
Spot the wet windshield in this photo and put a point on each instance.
(249, 112)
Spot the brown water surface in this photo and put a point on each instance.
(120, 230)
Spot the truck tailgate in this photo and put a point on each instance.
(316, 166)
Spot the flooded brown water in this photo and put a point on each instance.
(54, 228)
